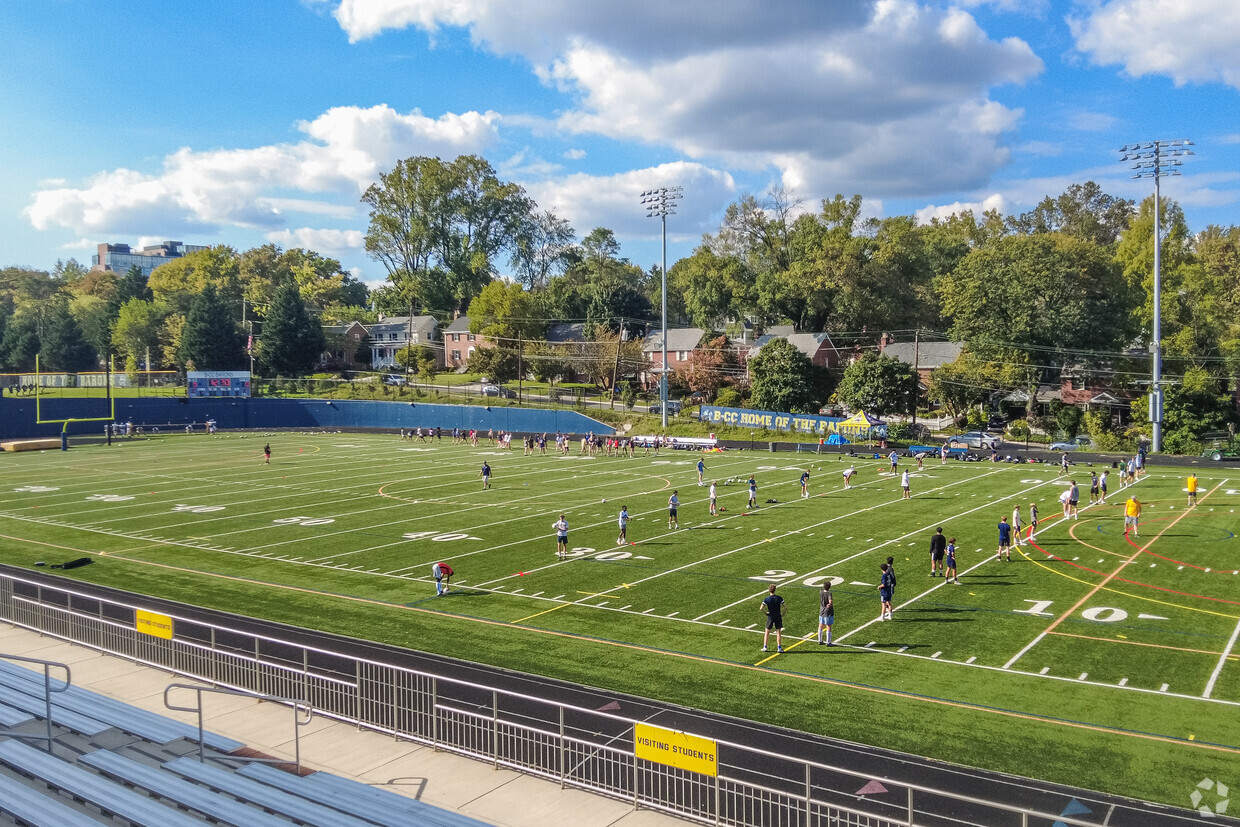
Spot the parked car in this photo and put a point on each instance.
(393, 379)
(1077, 443)
(673, 407)
(975, 439)
(496, 390)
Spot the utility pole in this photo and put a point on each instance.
(916, 371)
(1156, 159)
(616, 367)
(520, 372)
(409, 343)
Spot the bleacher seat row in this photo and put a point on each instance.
(112, 763)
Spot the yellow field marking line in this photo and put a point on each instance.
(1099, 549)
(544, 612)
(704, 659)
(1137, 643)
(1121, 567)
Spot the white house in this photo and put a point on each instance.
(393, 333)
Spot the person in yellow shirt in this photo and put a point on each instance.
(1192, 488)
(1132, 515)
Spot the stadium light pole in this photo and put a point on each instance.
(1157, 160)
(661, 202)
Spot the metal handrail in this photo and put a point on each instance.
(198, 689)
(48, 689)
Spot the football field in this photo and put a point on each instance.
(1093, 657)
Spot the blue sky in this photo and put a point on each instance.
(241, 123)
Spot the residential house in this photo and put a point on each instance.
(393, 333)
(681, 341)
(343, 342)
(459, 344)
(925, 356)
(818, 347)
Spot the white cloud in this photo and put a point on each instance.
(1042, 149)
(197, 192)
(575, 154)
(319, 240)
(614, 201)
(1092, 121)
(1033, 8)
(1190, 42)
(836, 95)
(80, 244)
(995, 201)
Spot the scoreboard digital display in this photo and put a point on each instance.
(206, 384)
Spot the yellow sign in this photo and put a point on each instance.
(676, 749)
(156, 625)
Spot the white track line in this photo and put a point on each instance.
(1218, 669)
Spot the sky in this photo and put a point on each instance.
(243, 123)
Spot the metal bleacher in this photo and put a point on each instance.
(105, 762)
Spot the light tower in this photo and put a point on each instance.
(661, 202)
(1156, 159)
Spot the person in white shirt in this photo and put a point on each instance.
(904, 482)
(673, 504)
(561, 536)
(714, 503)
(1016, 526)
(624, 526)
(849, 472)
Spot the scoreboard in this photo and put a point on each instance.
(218, 383)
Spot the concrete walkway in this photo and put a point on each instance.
(501, 797)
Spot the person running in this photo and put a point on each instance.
(624, 526)
(442, 573)
(421, 436)
(1192, 488)
(1130, 473)
(1063, 464)
(267, 454)
(1074, 500)
(753, 492)
(1005, 540)
(1033, 522)
(904, 483)
(826, 614)
(805, 484)
(714, 499)
(1093, 487)
(561, 536)
(895, 460)
(1016, 525)
(701, 468)
(886, 586)
(1102, 486)
(485, 473)
(849, 473)
(1132, 516)
(938, 548)
(773, 608)
(673, 503)
(950, 574)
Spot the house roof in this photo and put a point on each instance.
(342, 329)
(781, 331)
(807, 343)
(459, 325)
(926, 355)
(399, 324)
(566, 332)
(678, 338)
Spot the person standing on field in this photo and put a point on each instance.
(904, 483)
(624, 526)
(267, 454)
(701, 469)
(826, 614)
(1005, 540)
(714, 499)
(1016, 526)
(938, 548)
(886, 587)
(673, 504)
(1192, 488)
(1132, 516)
(773, 608)
(561, 536)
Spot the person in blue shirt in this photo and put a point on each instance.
(753, 492)
(804, 484)
(485, 473)
(886, 585)
(1005, 540)
(951, 562)
(701, 466)
(773, 608)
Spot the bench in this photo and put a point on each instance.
(139, 722)
(933, 450)
(67, 718)
(94, 789)
(30, 806)
(178, 790)
(380, 806)
(10, 717)
(267, 797)
(31, 445)
(681, 442)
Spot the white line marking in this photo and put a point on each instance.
(1021, 653)
(1083, 676)
(936, 654)
(1045, 669)
(1164, 687)
(1221, 661)
(1123, 681)
(970, 660)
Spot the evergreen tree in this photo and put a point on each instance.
(64, 346)
(211, 340)
(20, 343)
(292, 340)
(783, 379)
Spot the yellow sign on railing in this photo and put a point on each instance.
(150, 623)
(676, 749)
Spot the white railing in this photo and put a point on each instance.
(576, 746)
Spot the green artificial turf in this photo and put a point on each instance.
(340, 531)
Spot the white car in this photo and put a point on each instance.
(975, 439)
(1077, 443)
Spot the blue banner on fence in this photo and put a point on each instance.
(802, 423)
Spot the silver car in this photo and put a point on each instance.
(975, 439)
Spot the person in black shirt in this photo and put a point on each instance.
(826, 614)
(938, 549)
(773, 608)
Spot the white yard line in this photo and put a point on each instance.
(1222, 660)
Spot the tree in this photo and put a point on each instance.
(418, 359)
(710, 367)
(543, 245)
(878, 385)
(506, 311)
(1083, 211)
(137, 330)
(182, 279)
(292, 341)
(63, 345)
(92, 315)
(964, 383)
(20, 344)
(499, 364)
(211, 339)
(783, 379)
(712, 287)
